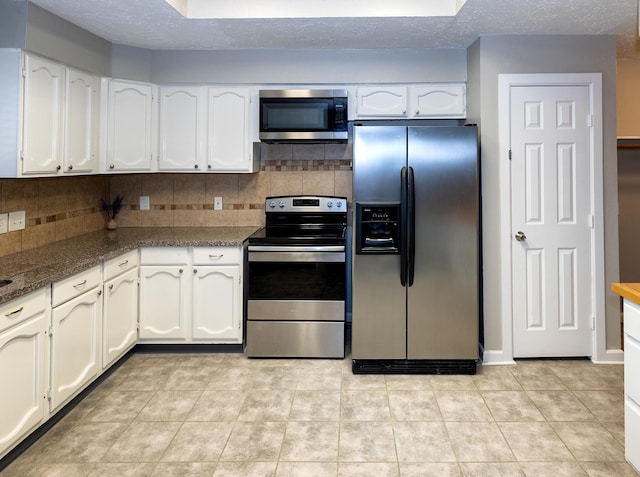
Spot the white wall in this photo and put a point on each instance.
(490, 56)
(65, 42)
(13, 14)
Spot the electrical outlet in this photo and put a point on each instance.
(4, 223)
(217, 203)
(144, 202)
(16, 220)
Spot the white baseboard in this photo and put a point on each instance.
(611, 356)
(496, 357)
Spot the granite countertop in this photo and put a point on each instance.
(41, 266)
(631, 291)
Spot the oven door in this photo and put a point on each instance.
(296, 283)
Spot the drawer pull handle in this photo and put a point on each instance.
(216, 257)
(111, 287)
(80, 285)
(14, 312)
(124, 264)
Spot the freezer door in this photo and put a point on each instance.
(378, 298)
(443, 311)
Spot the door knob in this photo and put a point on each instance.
(520, 236)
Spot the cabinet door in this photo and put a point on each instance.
(130, 126)
(381, 102)
(163, 292)
(42, 116)
(182, 129)
(229, 136)
(217, 304)
(81, 119)
(75, 345)
(439, 101)
(120, 316)
(22, 373)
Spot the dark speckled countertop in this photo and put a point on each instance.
(38, 267)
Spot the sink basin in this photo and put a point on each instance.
(4, 283)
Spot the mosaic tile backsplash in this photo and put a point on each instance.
(60, 208)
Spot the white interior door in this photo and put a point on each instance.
(552, 221)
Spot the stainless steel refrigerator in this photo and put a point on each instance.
(415, 275)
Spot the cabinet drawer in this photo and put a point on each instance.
(632, 319)
(217, 255)
(164, 256)
(632, 368)
(632, 433)
(74, 286)
(18, 310)
(121, 264)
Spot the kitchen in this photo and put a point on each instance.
(69, 205)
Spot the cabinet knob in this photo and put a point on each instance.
(99, 292)
(196, 166)
(417, 112)
(70, 166)
(111, 166)
(195, 270)
(209, 166)
(111, 287)
(181, 270)
(58, 167)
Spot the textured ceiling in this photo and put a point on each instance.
(154, 24)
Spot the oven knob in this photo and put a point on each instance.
(272, 204)
(329, 204)
(339, 204)
(281, 204)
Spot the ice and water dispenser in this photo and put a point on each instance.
(378, 228)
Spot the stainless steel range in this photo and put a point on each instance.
(297, 274)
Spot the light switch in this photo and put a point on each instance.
(144, 202)
(4, 223)
(217, 203)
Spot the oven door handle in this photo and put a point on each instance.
(286, 248)
(331, 257)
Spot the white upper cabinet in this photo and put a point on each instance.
(447, 100)
(182, 128)
(81, 121)
(381, 101)
(418, 101)
(42, 116)
(229, 130)
(131, 126)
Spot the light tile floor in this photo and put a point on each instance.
(220, 415)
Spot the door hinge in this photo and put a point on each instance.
(593, 322)
(590, 120)
(239, 324)
(49, 395)
(592, 221)
(50, 332)
(510, 154)
(24, 72)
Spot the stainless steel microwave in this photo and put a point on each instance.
(303, 115)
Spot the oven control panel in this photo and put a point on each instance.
(306, 203)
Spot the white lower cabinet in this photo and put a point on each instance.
(76, 335)
(191, 295)
(217, 304)
(120, 316)
(24, 324)
(163, 294)
(162, 302)
(632, 383)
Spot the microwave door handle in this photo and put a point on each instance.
(403, 226)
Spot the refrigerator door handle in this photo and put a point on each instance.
(403, 227)
(411, 216)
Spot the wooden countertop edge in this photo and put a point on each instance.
(630, 291)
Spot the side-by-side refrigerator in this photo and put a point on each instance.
(415, 249)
